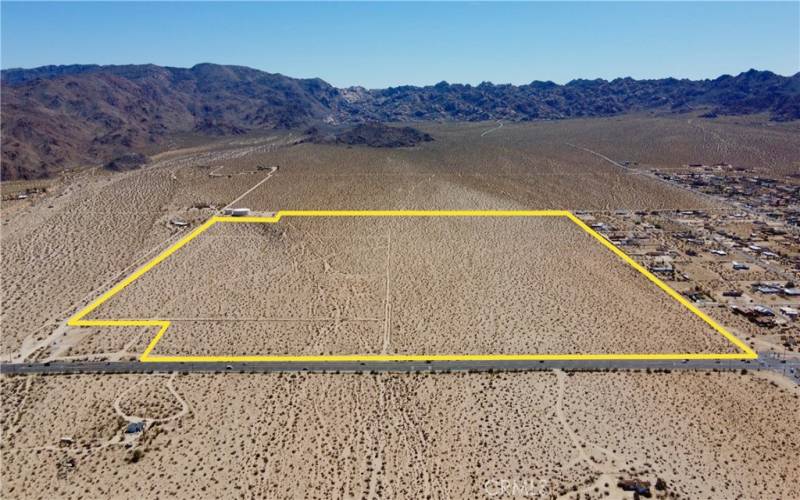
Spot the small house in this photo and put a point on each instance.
(790, 312)
(763, 311)
(237, 212)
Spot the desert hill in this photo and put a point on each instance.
(372, 134)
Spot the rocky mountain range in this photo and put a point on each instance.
(55, 117)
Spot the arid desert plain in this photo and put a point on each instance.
(708, 208)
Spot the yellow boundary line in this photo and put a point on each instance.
(163, 325)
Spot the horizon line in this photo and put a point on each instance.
(464, 84)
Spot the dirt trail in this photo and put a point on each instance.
(599, 459)
(262, 181)
(644, 173)
(148, 421)
(489, 131)
(30, 345)
(604, 157)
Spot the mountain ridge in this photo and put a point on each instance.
(54, 117)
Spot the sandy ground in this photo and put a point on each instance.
(62, 248)
(707, 435)
(519, 166)
(85, 234)
(407, 286)
(767, 148)
(346, 435)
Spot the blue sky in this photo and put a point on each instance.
(386, 44)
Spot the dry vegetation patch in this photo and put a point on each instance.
(408, 435)
(367, 285)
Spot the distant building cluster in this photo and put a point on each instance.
(777, 199)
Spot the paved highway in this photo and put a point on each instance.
(790, 368)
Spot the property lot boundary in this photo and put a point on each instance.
(163, 325)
